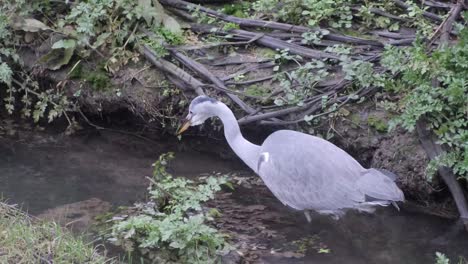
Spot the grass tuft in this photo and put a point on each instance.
(27, 240)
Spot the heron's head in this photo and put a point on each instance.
(200, 109)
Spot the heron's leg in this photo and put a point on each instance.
(307, 215)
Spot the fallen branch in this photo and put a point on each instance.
(213, 45)
(453, 15)
(437, 4)
(267, 41)
(249, 69)
(206, 74)
(261, 79)
(245, 22)
(170, 68)
(343, 99)
(429, 15)
(381, 12)
(230, 61)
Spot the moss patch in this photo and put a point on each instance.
(98, 78)
(378, 123)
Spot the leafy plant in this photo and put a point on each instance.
(441, 258)
(415, 14)
(172, 225)
(311, 12)
(314, 37)
(370, 19)
(441, 103)
(237, 9)
(201, 17)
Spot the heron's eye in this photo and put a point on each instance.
(190, 112)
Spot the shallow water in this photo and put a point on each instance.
(45, 171)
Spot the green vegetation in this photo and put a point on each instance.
(434, 87)
(441, 258)
(173, 225)
(82, 29)
(377, 123)
(239, 9)
(23, 240)
(310, 12)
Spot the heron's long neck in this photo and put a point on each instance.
(248, 152)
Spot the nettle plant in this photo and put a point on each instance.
(173, 225)
(435, 87)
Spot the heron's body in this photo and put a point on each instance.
(303, 171)
(329, 180)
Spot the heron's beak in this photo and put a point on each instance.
(184, 126)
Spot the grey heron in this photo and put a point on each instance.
(303, 171)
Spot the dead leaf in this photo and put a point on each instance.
(28, 24)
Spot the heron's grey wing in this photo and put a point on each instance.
(307, 172)
(377, 185)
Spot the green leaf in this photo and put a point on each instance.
(64, 44)
(101, 39)
(56, 58)
(171, 24)
(147, 10)
(5, 73)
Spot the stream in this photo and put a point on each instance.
(45, 170)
